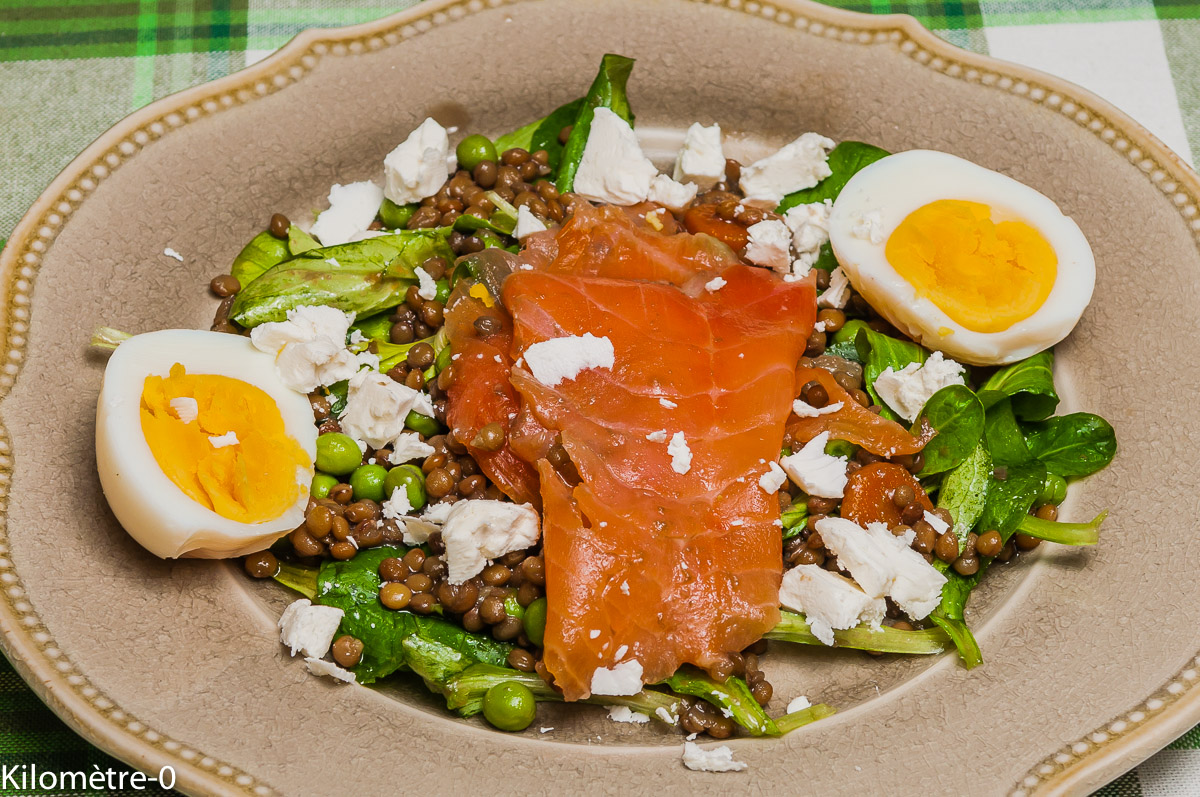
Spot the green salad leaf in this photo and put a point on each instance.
(794, 627)
(1003, 436)
(1030, 385)
(957, 415)
(798, 719)
(1063, 533)
(1078, 444)
(607, 91)
(964, 491)
(1011, 491)
(262, 253)
(377, 328)
(845, 160)
(878, 352)
(363, 277)
(545, 136)
(732, 697)
(299, 241)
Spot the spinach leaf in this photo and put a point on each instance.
(299, 241)
(732, 697)
(607, 91)
(263, 252)
(1009, 499)
(845, 160)
(1003, 436)
(377, 327)
(338, 393)
(1063, 533)
(1078, 444)
(957, 416)
(964, 491)
(1030, 385)
(546, 135)
(826, 260)
(878, 352)
(847, 350)
(794, 627)
(395, 217)
(363, 277)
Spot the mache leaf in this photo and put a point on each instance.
(1078, 444)
(263, 252)
(964, 491)
(1030, 385)
(957, 415)
(607, 91)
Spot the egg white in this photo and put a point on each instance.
(899, 184)
(155, 512)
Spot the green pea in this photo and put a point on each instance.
(422, 424)
(535, 621)
(337, 453)
(473, 150)
(367, 481)
(1054, 490)
(443, 290)
(509, 706)
(395, 217)
(514, 608)
(322, 483)
(411, 479)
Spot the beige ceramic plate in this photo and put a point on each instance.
(1090, 655)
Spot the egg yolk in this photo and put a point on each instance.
(985, 275)
(251, 480)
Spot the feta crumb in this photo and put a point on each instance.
(376, 406)
(810, 230)
(869, 227)
(187, 409)
(309, 347)
(545, 730)
(816, 472)
(478, 530)
(798, 704)
(773, 479)
(594, 633)
(321, 667)
(352, 208)
(613, 168)
(621, 651)
(223, 440)
(626, 714)
(701, 160)
(666, 716)
(417, 168)
(939, 525)
(624, 587)
(407, 447)
(527, 223)
(397, 505)
(805, 410)
(418, 529)
(769, 245)
(427, 289)
(691, 736)
(552, 361)
(169, 252)
(717, 759)
(801, 164)
(367, 359)
(657, 437)
(838, 292)
(667, 403)
(715, 284)
(671, 194)
(681, 455)
(620, 679)
(907, 390)
(357, 338)
(828, 601)
(819, 326)
(307, 628)
(739, 521)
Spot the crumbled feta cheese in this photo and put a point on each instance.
(321, 667)
(351, 209)
(769, 244)
(805, 410)
(869, 227)
(545, 730)
(801, 164)
(309, 347)
(666, 716)
(594, 633)
(819, 326)
(798, 704)
(407, 447)
(426, 285)
(169, 252)
(309, 629)
(417, 168)
(907, 390)
(527, 223)
(423, 404)
(715, 284)
(816, 472)
(773, 479)
(716, 759)
(187, 409)
(810, 230)
(621, 651)
(357, 338)
(838, 292)
(884, 565)
(939, 525)
(552, 361)
(626, 714)
(367, 359)
(657, 437)
(418, 529)
(376, 406)
(397, 505)
(667, 403)
(828, 601)
(620, 679)
(701, 160)
(478, 530)
(681, 455)
(613, 168)
(671, 194)
(223, 440)
(624, 588)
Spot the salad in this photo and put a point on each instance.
(532, 421)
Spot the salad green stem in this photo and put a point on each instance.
(794, 627)
(733, 698)
(108, 338)
(1063, 533)
(964, 640)
(298, 577)
(798, 719)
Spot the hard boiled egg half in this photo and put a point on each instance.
(960, 258)
(201, 450)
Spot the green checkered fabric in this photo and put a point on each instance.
(69, 69)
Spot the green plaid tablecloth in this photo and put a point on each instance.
(71, 68)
